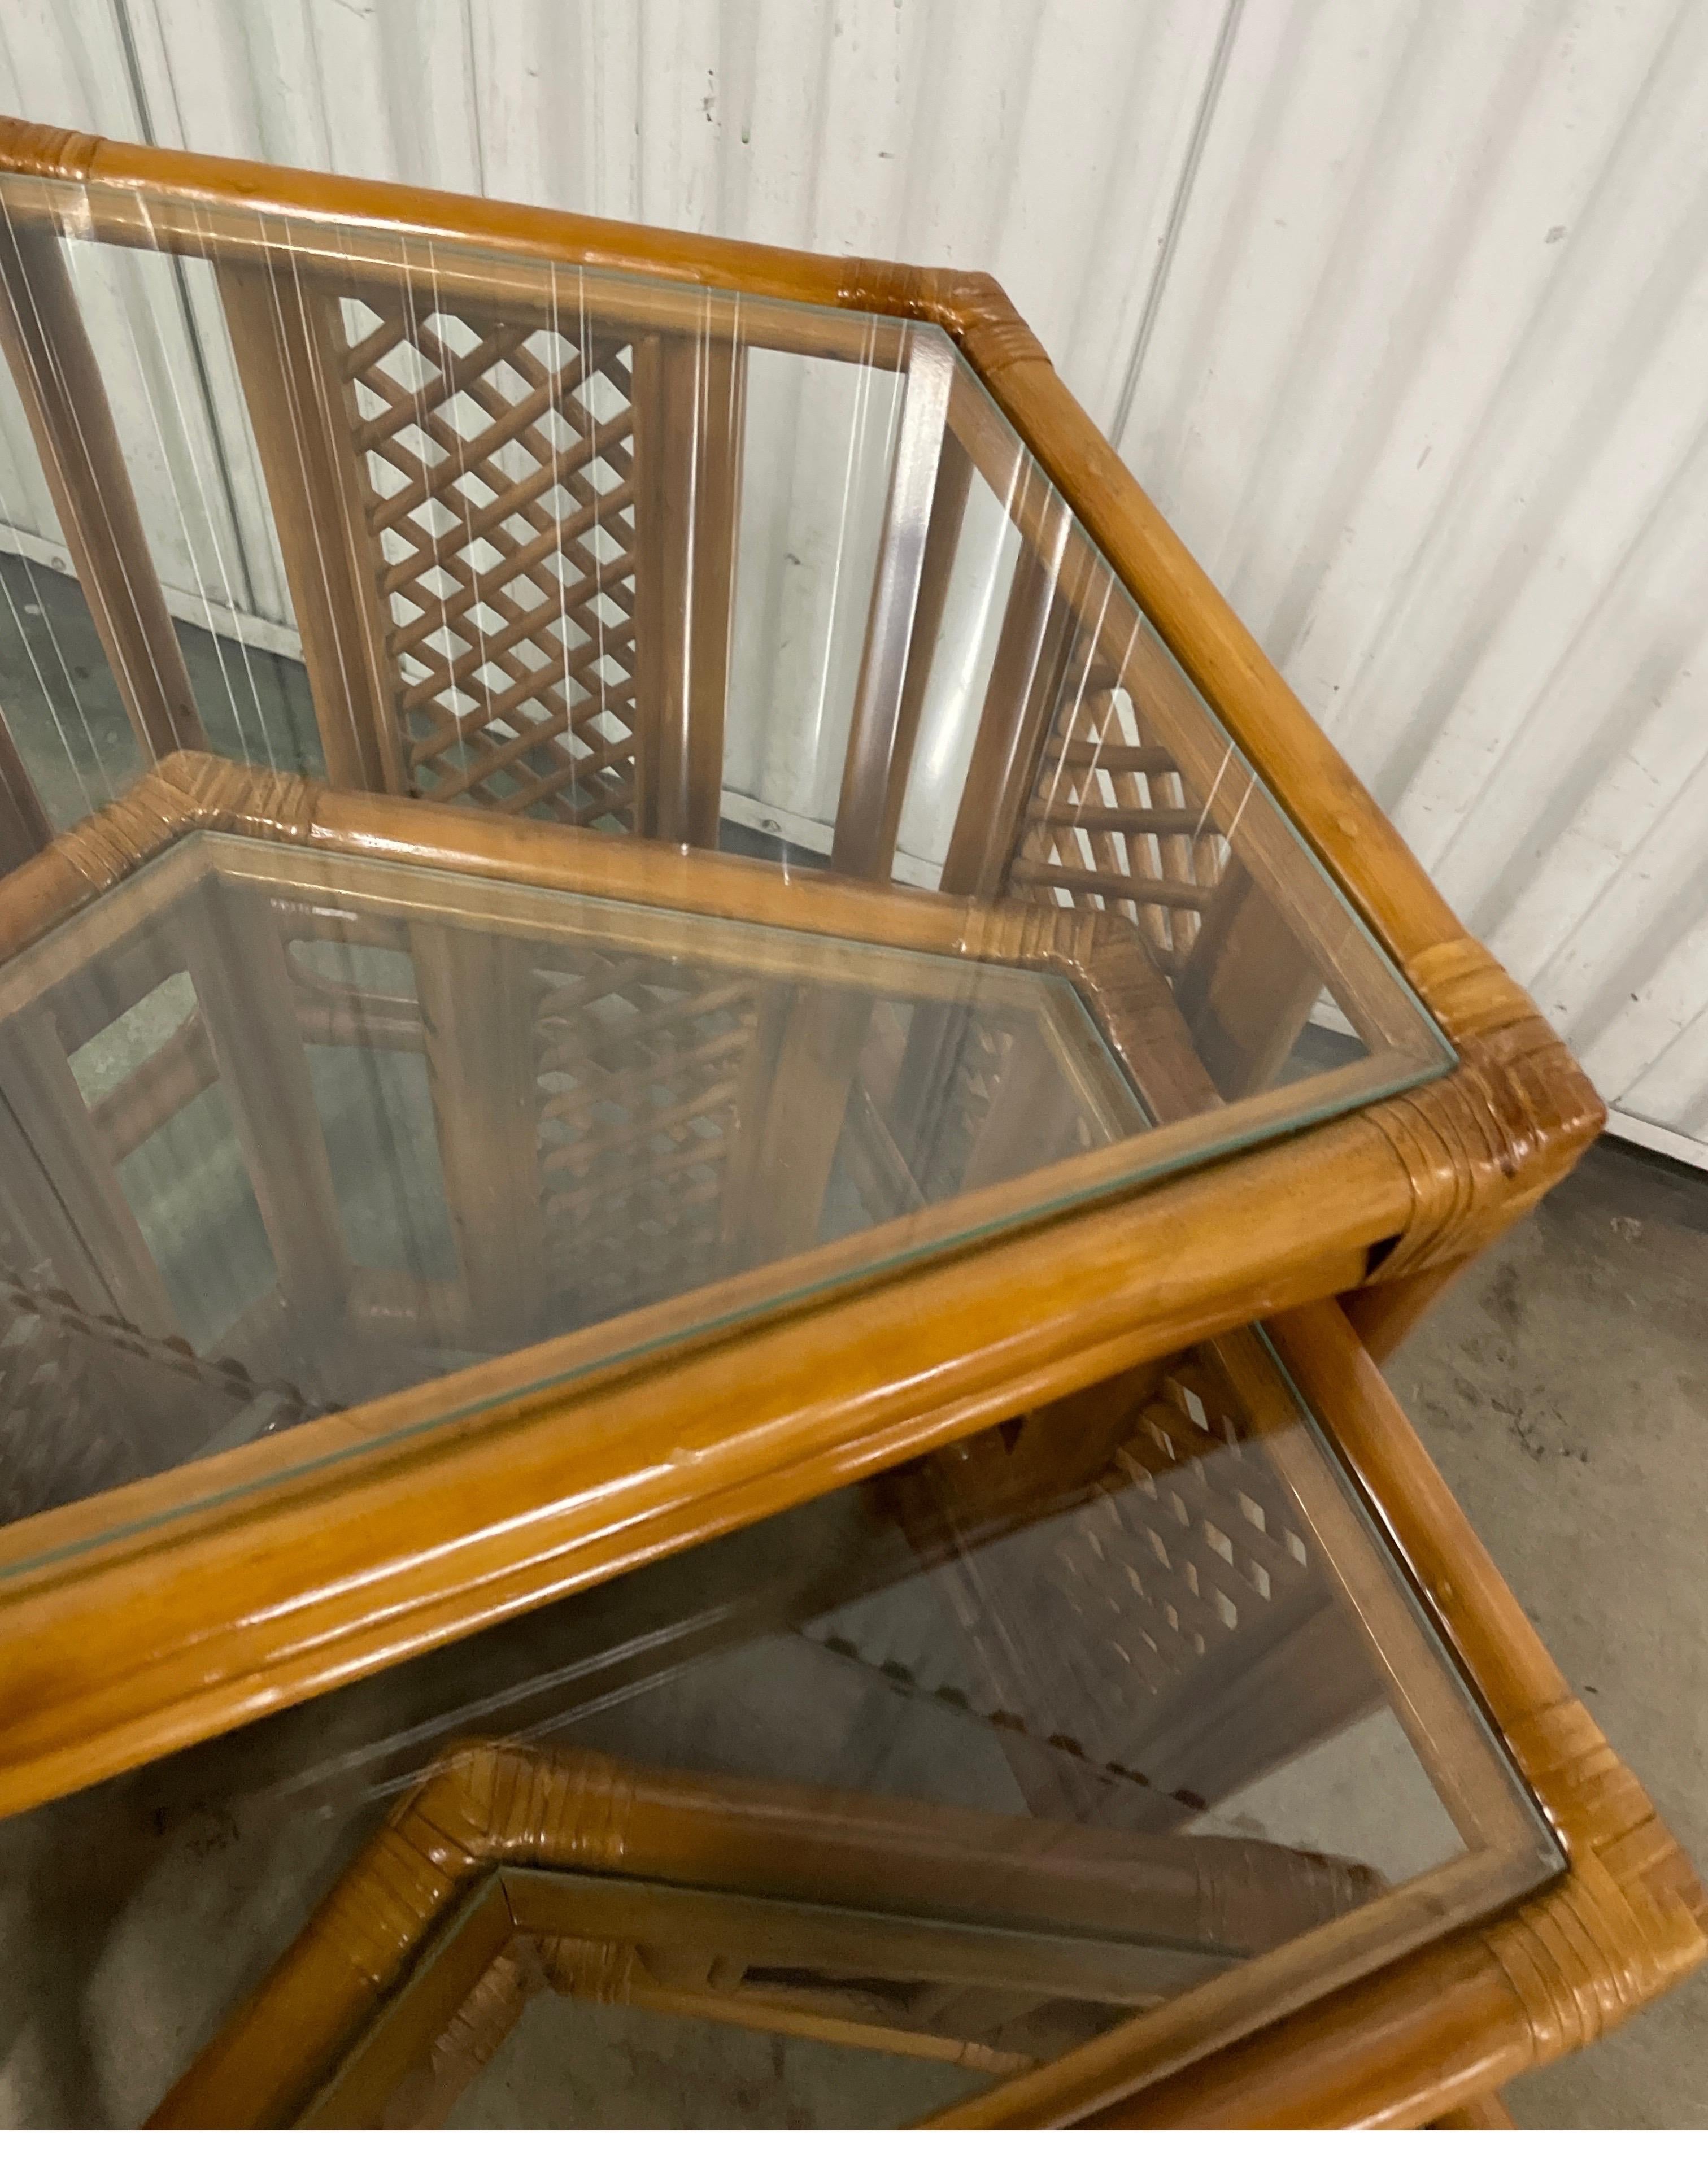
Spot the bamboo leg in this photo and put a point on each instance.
(882, 1179)
(939, 1038)
(1386, 1312)
(61, 1181)
(232, 949)
(1017, 1136)
(690, 401)
(282, 334)
(1248, 988)
(743, 1176)
(25, 826)
(58, 380)
(928, 487)
(1021, 702)
(157, 1089)
(805, 1111)
(60, 1196)
(826, 1031)
(475, 1007)
(942, 541)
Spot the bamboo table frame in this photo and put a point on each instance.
(380, 2009)
(282, 1565)
(437, 1526)
(505, 1844)
(1477, 1149)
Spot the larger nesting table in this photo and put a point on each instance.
(960, 992)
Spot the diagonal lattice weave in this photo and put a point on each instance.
(1197, 1538)
(1119, 1606)
(638, 1063)
(497, 467)
(1111, 825)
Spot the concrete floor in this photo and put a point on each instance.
(62, 708)
(1562, 1388)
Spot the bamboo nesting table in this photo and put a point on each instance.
(436, 1194)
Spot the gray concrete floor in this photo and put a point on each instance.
(1563, 1387)
(62, 708)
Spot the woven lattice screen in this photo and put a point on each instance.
(497, 468)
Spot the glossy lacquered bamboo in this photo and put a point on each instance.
(209, 206)
(886, 1883)
(276, 1569)
(251, 1599)
(369, 1993)
(191, 192)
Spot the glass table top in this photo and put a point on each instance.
(641, 555)
(880, 1805)
(288, 1130)
(647, 562)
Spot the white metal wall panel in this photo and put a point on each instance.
(1427, 388)
(1400, 310)
(164, 353)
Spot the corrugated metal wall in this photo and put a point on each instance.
(1399, 307)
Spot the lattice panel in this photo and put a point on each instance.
(1194, 1541)
(1085, 1630)
(639, 1064)
(1111, 825)
(497, 464)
